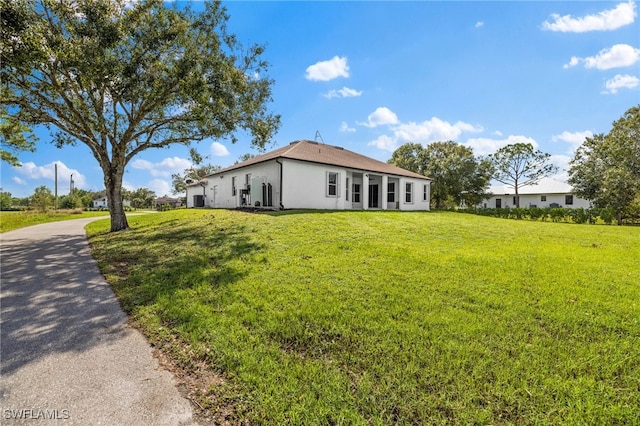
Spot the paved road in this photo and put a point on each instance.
(67, 355)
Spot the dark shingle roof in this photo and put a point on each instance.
(315, 152)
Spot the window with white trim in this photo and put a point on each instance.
(356, 192)
(391, 192)
(425, 192)
(333, 184)
(233, 186)
(408, 193)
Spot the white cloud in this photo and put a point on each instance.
(619, 55)
(19, 181)
(425, 132)
(485, 146)
(479, 24)
(562, 162)
(344, 128)
(328, 70)
(432, 130)
(386, 143)
(607, 20)
(621, 82)
(345, 92)
(219, 150)
(31, 171)
(574, 139)
(160, 187)
(128, 185)
(381, 116)
(166, 167)
(572, 62)
(497, 133)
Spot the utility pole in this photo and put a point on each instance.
(55, 203)
(71, 188)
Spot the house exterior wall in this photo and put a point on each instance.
(218, 189)
(536, 200)
(306, 186)
(103, 203)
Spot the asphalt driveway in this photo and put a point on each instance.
(67, 355)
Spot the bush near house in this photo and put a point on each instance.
(568, 215)
(386, 317)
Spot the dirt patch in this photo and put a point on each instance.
(196, 381)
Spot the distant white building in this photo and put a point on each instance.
(549, 193)
(103, 203)
(311, 175)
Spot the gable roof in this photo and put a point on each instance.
(314, 152)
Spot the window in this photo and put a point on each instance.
(356, 192)
(408, 193)
(515, 200)
(425, 192)
(247, 182)
(543, 198)
(391, 192)
(332, 184)
(233, 186)
(568, 199)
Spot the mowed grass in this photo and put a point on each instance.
(10, 220)
(388, 317)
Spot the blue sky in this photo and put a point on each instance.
(370, 76)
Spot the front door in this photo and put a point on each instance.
(373, 196)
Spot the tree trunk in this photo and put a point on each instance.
(517, 198)
(619, 218)
(113, 183)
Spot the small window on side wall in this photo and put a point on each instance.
(408, 193)
(333, 182)
(543, 198)
(568, 199)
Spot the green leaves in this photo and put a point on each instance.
(606, 168)
(458, 176)
(122, 77)
(520, 164)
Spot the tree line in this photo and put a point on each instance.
(462, 179)
(605, 169)
(43, 199)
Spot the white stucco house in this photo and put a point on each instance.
(549, 193)
(103, 203)
(312, 175)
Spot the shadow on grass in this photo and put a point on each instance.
(164, 258)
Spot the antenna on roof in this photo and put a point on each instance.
(318, 136)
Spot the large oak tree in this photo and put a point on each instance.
(458, 176)
(122, 77)
(606, 167)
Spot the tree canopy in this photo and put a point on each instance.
(196, 172)
(122, 77)
(15, 137)
(606, 167)
(519, 165)
(458, 176)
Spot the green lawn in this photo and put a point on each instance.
(388, 317)
(10, 220)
